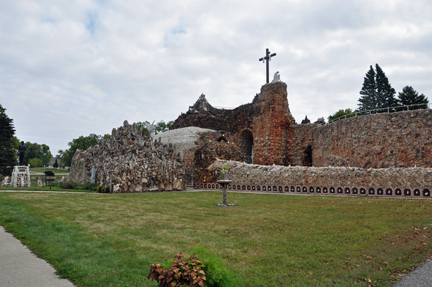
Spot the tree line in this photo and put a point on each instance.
(37, 155)
(377, 93)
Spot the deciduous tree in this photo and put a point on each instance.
(40, 151)
(81, 143)
(35, 162)
(347, 112)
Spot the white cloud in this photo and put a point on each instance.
(71, 68)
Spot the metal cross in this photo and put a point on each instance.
(266, 59)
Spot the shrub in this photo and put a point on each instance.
(217, 274)
(88, 186)
(182, 272)
(68, 185)
(102, 189)
(49, 173)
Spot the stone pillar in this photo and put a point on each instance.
(271, 126)
(21, 176)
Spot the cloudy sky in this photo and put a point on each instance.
(74, 67)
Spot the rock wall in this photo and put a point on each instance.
(299, 145)
(204, 115)
(132, 161)
(401, 139)
(267, 134)
(271, 126)
(199, 148)
(209, 148)
(399, 182)
(183, 139)
(261, 128)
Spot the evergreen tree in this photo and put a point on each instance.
(368, 100)
(8, 154)
(56, 165)
(409, 96)
(376, 91)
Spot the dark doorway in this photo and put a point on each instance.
(308, 156)
(246, 145)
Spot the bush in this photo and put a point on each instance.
(181, 273)
(102, 189)
(68, 185)
(89, 186)
(49, 173)
(217, 274)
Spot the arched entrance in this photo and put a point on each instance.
(246, 145)
(307, 161)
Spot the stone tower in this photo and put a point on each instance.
(271, 124)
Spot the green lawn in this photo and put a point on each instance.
(42, 188)
(268, 240)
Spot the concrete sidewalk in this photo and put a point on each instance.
(21, 268)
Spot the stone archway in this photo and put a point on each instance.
(307, 160)
(246, 145)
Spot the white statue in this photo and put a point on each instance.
(151, 129)
(276, 77)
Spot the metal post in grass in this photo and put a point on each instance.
(223, 175)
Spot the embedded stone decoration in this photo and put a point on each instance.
(386, 182)
(20, 176)
(5, 181)
(131, 161)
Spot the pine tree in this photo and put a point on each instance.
(368, 100)
(386, 94)
(8, 157)
(376, 91)
(55, 164)
(409, 96)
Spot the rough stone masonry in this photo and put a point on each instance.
(267, 134)
(132, 161)
(412, 182)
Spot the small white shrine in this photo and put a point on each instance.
(20, 176)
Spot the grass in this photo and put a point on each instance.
(268, 240)
(41, 188)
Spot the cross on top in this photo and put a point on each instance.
(266, 59)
